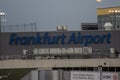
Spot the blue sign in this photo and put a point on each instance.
(74, 38)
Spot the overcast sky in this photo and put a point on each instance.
(47, 14)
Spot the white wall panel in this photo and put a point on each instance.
(78, 50)
(69, 50)
(46, 50)
(63, 50)
(36, 51)
(34, 75)
(55, 75)
(41, 51)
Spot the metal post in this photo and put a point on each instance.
(0, 38)
(1, 14)
(0, 23)
(100, 70)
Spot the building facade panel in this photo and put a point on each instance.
(109, 14)
(15, 43)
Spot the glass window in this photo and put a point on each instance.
(118, 26)
(105, 68)
(118, 69)
(112, 69)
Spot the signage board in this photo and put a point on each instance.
(109, 76)
(76, 75)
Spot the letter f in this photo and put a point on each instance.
(12, 39)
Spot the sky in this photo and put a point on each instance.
(47, 14)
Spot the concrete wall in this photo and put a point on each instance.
(50, 63)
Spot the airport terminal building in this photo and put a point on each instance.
(62, 54)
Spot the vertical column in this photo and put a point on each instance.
(1, 14)
(100, 70)
(0, 38)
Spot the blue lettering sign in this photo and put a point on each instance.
(74, 38)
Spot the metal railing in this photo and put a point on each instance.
(31, 27)
(94, 55)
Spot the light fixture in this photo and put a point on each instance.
(116, 11)
(99, 0)
(110, 11)
(2, 14)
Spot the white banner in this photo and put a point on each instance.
(109, 76)
(76, 75)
